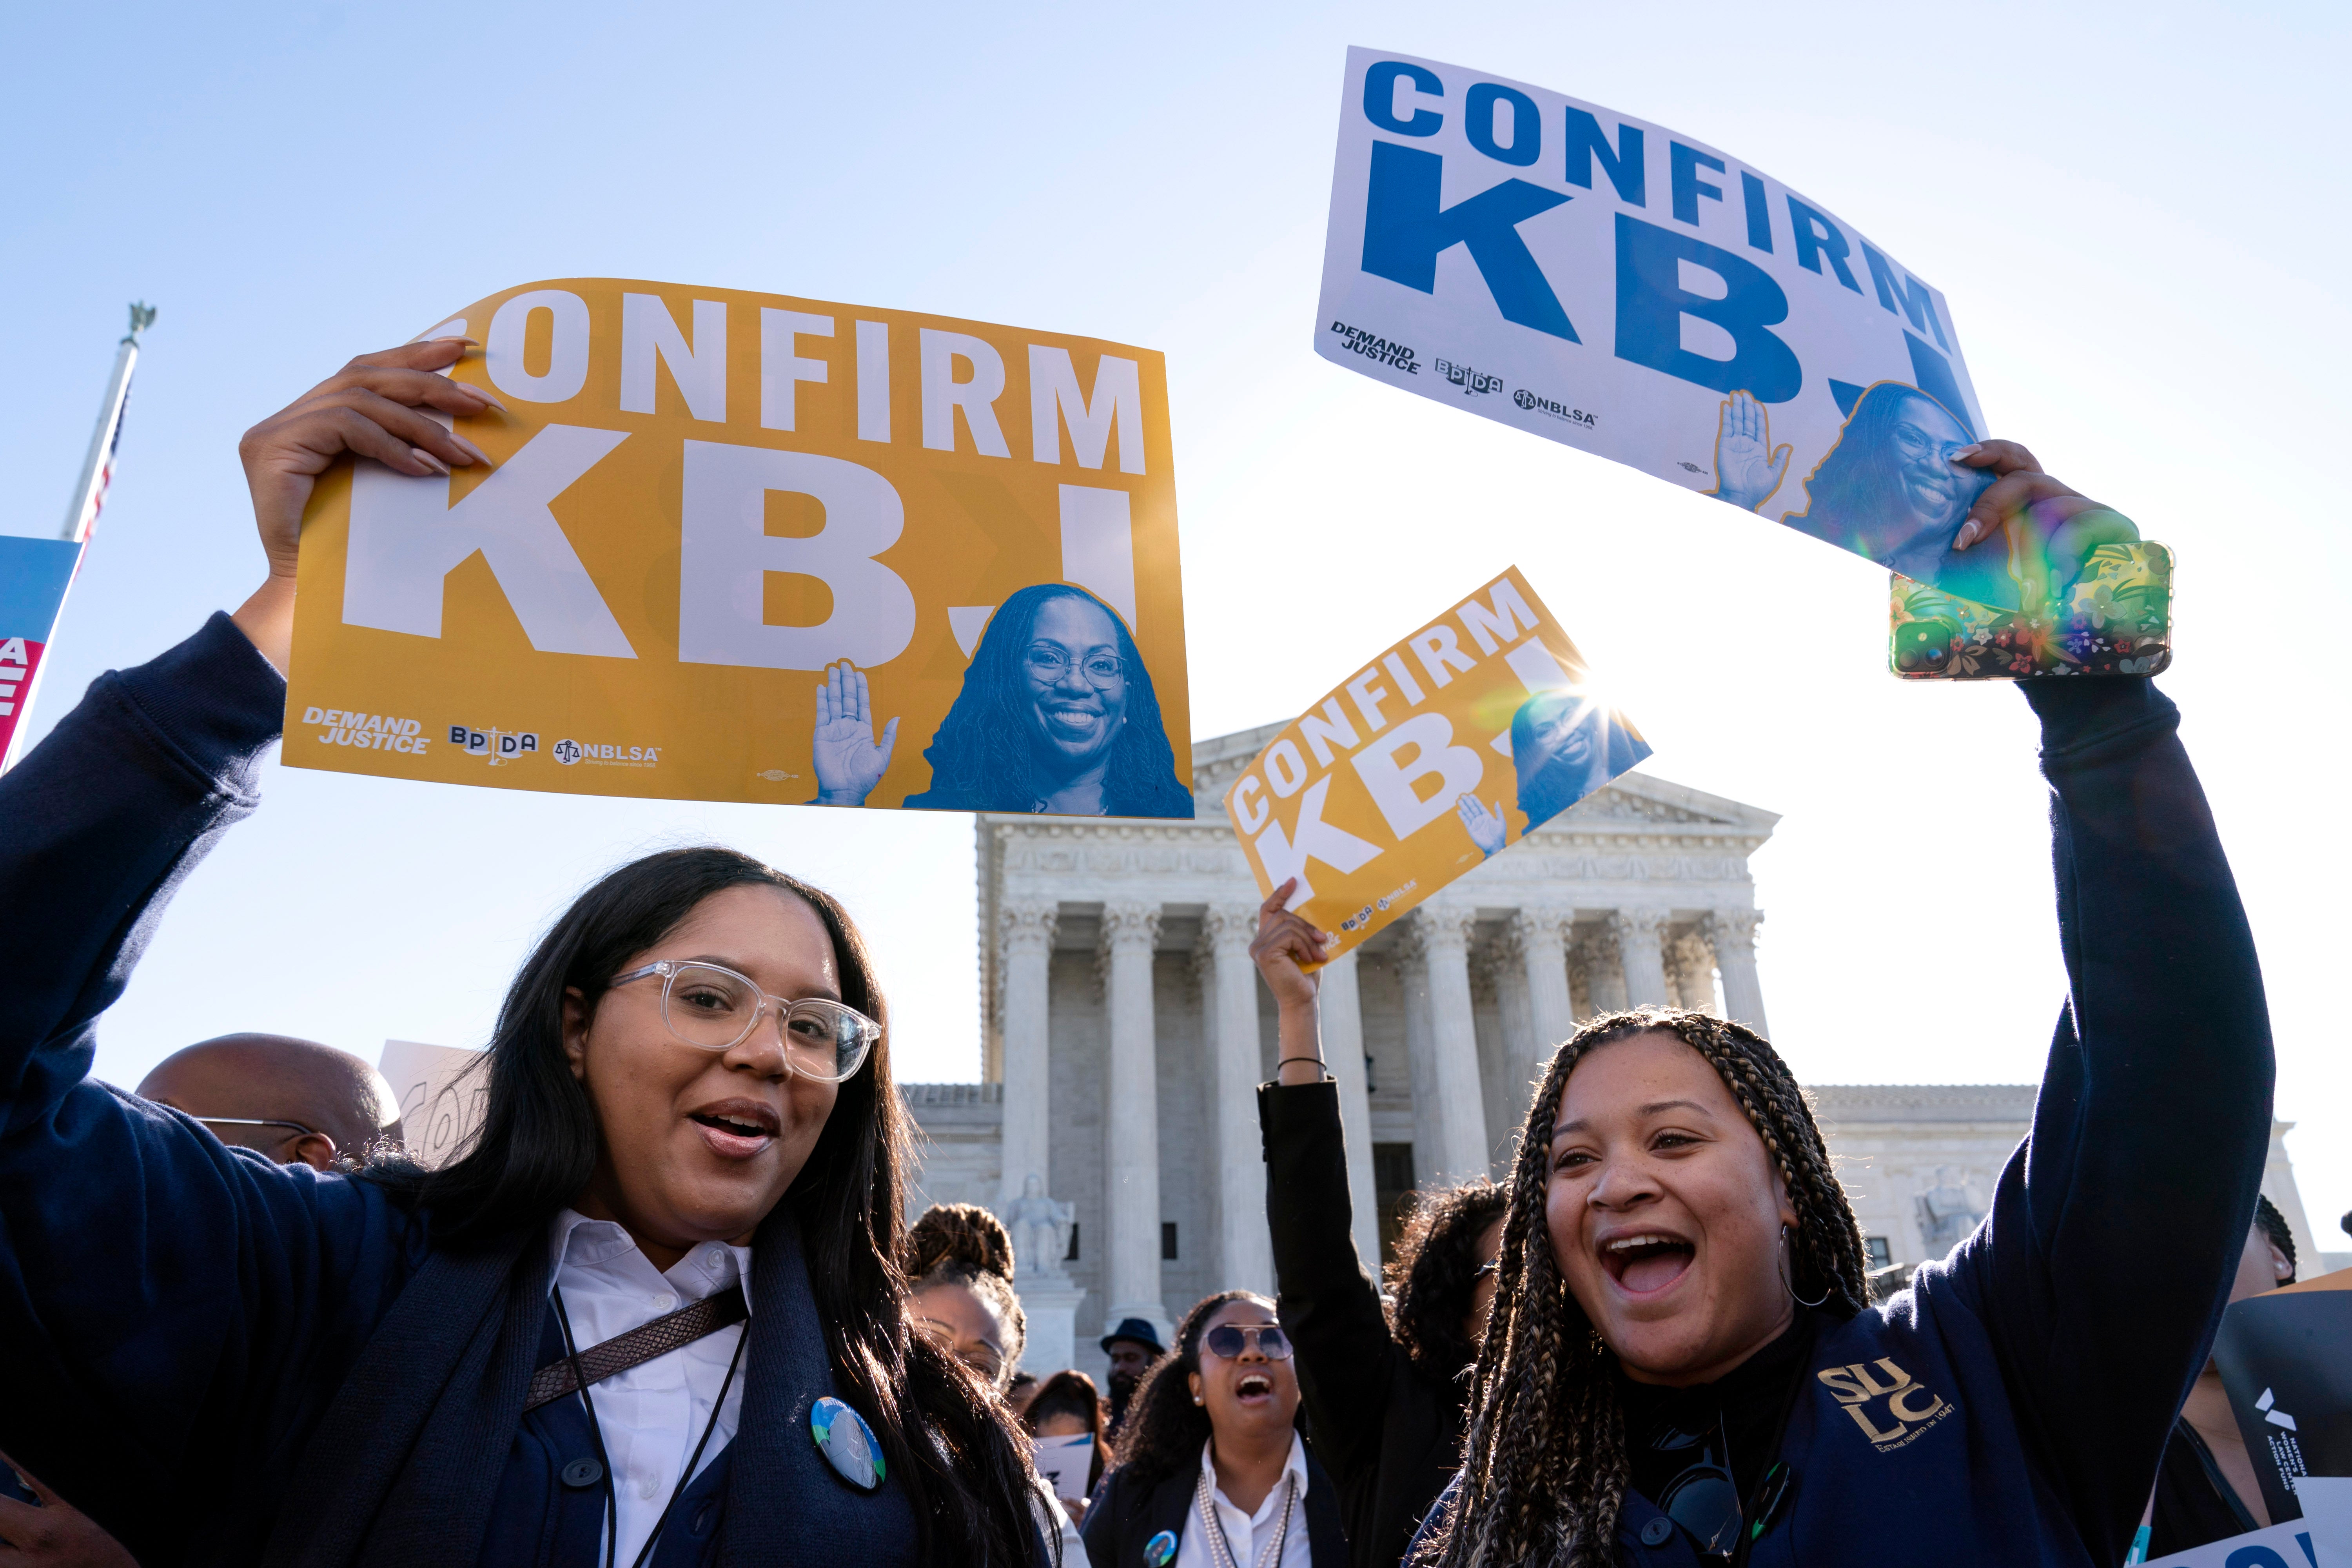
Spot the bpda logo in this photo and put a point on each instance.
(498, 745)
(1908, 1407)
(1470, 381)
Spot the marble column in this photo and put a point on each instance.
(1507, 1083)
(1131, 1120)
(1641, 949)
(1449, 1122)
(1579, 980)
(1025, 951)
(1604, 972)
(1732, 934)
(1246, 1250)
(1543, 948)
(1343, 1050)
(1691, 966)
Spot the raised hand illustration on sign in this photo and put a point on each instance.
(1438, 754)
(725, 545)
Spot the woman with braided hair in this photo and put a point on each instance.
(958, 1260)
(1684, 1364)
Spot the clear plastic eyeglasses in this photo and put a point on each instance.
(716, 1009)
(1050, 664)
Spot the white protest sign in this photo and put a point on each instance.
(1635, 293)
(2295, 1544)
(441, 1102)
(1065, 1462)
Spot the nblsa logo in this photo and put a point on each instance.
(498, 745)
(567, 752)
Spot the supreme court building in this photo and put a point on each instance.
(1126, 1030)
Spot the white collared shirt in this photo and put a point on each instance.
(1251, 1533)
(652, 1414)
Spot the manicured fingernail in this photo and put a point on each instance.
(473, 341)
(428, 459)
(468, 447)
(484, 396)
(1968, 535)
(1969, 451)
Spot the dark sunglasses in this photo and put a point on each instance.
(1226, 1341)
(1702, 1499)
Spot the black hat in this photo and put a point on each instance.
(1139, 1329)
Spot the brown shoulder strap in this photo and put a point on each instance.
(639, 1345)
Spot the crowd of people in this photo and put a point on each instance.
(666, 1308)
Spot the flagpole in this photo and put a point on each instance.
(36, 573)
(97, 465)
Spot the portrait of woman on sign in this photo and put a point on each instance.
(1565, 745)
(1057, 715)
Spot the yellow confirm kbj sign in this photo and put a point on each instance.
(737, 546)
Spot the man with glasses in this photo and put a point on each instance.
(297, 1101)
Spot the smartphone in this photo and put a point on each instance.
(2116, 620)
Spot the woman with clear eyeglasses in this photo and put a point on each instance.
(1213, 1472)
(1056, 714)
(650, 1316)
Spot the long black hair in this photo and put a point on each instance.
(1435, 1274)
(984, 754)
(959, 1453)
(1165, 1430)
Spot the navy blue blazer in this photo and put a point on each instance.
(1126, 1516)
(2013, 1405)
(224, 1361)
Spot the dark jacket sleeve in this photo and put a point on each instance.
(2102, 1271)
(159, 1294)
(1329, 1304)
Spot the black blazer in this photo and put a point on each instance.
(1125, 1516)
(1391, 1435)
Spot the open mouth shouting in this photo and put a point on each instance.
(1253, 1388)
(737, 1129)
(1645, 1262)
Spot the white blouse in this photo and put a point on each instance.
(1251, 1535)
(652, 1414)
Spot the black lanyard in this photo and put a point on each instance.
(1772, 1487)
(596, 1430)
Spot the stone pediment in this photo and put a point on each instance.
(1853, 1103)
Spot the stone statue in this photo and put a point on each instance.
(1041, 1230)
(1948, 1211)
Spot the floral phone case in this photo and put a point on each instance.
(2115, 620)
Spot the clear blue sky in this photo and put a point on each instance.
(2137, 213)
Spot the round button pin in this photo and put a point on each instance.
(1160, 1549)
(1654, 1533)
(583, 1473)
(847, 1442)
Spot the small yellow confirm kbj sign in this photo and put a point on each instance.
(1440, 751)
(738, 546)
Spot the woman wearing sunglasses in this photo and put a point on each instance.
(690, 1125)
(1213, 1473)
